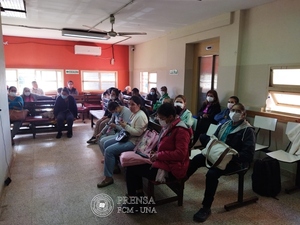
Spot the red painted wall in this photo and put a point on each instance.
(21, 52)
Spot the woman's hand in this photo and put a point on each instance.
(112, 125)
(205, 115)
(123, 124)
(153, 156)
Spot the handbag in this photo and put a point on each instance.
(217, 153)
(131, 158)
(17, 115)
(123, 136)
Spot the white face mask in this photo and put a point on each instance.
(229, 105)
(112, 97)
(163, 123)
(210, 99)
(27, 93)
(181, 105)
(234, 116)
(13, 94)
(162, 93)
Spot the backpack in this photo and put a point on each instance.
(148, 142)
(266, 179)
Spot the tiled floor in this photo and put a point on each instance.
(54, 181)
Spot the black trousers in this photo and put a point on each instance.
(61, 117)
(212, 177)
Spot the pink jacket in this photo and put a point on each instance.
(173, 149)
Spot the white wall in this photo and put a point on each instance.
(5, 143)
(250, 42)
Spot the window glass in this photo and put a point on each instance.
(98, 80)
(285, 89)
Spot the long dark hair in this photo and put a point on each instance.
(216, 98)
(137, 100)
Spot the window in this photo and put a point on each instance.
(284, 89)
(48, 80)
(147, 81)
(98, 80)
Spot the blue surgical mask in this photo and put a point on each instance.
(152, 93)
(64, 96)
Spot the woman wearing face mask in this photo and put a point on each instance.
(152, 96)
(238, 134)
(206, 113)
(112, 148)
(15, 102)
(172, 155)
(100, 124)
(184, 114)
(65, 108)
(223, 116)
(30, 97)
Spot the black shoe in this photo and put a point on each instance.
(69, 134)
(202, 215)
(59, 134)
(117, 170)
(92, 140)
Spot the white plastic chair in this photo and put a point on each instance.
(265, 123)
(286, 157)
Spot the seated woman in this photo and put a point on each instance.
(221, 118)
(185, 114)
(119, 113)
(206, 113)
(112, 148)
(14, 102)
(238, 134)
(172, 155)
(65, 108)
(152, 96)
(30, 97)
(100, 124)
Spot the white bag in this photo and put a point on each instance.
(217, 153)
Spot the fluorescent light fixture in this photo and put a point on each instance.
(13, 8)
(84, 34)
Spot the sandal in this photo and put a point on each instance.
(105, 183)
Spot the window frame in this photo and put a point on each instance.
(38, 76)
(283, 89)
(99, 77)
(148, 83)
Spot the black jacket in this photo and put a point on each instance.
(242, 139)
(62, 105)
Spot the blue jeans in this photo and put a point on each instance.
(112, 149)
(103, 139)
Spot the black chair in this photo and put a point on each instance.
(240, 200)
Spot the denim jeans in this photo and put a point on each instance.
(113, 149)
(103, 139)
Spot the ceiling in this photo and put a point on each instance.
(45, 18)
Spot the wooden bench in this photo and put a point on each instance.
(176, 185)
(80, 106)
(40, 118)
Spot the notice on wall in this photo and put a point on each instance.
(72, 71)
(173, 72)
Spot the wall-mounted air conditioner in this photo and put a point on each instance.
(87, 50)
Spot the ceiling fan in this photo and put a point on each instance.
(113, 33)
